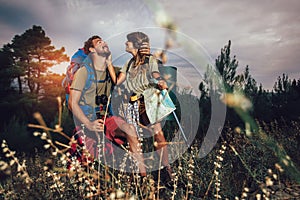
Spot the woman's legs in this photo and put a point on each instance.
(130, 134)
(162, 150)
(161, 144)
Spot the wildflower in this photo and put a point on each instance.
(244, 194)
(120, 194)
(285, 162)
(44, 136)
(112, 196)
(19, 168)
(258, 196)
(132, 198)
(270, 171)
(237, 130)
(3, 144)
(237, 100)
(162, 18)
(266, 192)
(269, 182)
(3, 165)
(5, 149)
(64, 162)
(57, 127)
(220, 158)
(223, 147)
(93, 188)
(36, 133)
(278, 167)
(12, 162)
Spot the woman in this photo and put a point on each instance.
(140, 73)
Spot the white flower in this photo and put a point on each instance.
(35, 133)
(3, 144)
(120, 194)
(44, 136)
(258, 196)
(269, 182)
(112, 196)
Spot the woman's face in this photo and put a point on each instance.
(129, 47)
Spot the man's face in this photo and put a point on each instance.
(101, 47)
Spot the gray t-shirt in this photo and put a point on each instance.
(89, 95)
(137, 77)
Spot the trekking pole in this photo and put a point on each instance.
(181, 129)
(177, 121)
(176, 118)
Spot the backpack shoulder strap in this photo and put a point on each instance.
(129, 63)
(90, 76)
(132, 59)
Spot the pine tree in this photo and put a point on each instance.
(227, 67)
(34, 55)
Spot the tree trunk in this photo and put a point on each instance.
(20, 85)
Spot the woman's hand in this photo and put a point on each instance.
(162, 84)
(109, 61)
(145, 48)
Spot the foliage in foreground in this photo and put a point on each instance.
(238, 167)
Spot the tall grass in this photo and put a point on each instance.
(239, 167)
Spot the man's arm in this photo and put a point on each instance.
(74, 98)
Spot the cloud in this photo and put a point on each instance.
(265, 35)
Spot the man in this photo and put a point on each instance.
(89, 102)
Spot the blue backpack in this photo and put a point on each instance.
(75, 64)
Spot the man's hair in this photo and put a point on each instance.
(137, 38)
(89, 43)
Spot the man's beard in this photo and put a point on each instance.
(105, 53)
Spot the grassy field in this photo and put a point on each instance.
(244, 164)
(237, 168)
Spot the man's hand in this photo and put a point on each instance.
(96, 125)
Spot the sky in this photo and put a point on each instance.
(265, 34)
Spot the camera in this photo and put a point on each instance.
(102, 99)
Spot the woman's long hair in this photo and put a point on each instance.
(137, 38)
